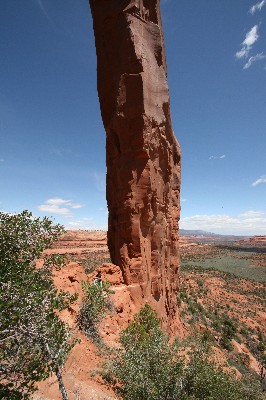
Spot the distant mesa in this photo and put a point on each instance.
(201, 233)
(192, 232)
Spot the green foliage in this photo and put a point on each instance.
(229, 331)
(205, 381)
(233, 261)
(23, 239)
(207, 337)
(91, 262)
(149, 367)
(34, 341)
(146, 365)
(94, 306)
(260, 354)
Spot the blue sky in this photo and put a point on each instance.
(52, 142)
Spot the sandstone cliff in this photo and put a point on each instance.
(143, 155)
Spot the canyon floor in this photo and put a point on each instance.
(221, 279)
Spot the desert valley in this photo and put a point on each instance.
(222, 284)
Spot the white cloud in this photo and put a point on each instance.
(53, 209)
(57, 201)
(242, 53)
(217, 157)
(2, 160)
(256, 7)
(251, 213)
(248, 223)
(59, 206)
(251, 37)
(262, 179)
(76, 206)
(183, 200)
(85, 224)
(253, 59)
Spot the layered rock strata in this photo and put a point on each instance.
(143, 155)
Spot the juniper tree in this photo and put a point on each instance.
(34, 342)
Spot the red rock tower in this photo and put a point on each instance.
(143, 155)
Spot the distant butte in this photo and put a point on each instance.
(143, 155)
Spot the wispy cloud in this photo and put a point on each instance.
(183, 200)
(251, 214)
(256, 7)
(217, 157)
(251, 37)
(39, 2)
(99, 180)
(253, 59)
(43, 10)
(247, 223)
(62, 152)
(103, 210)
(2, 160)
(59, 206)
(262, 179)
(85, 224)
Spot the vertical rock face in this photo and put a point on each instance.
(143, 155)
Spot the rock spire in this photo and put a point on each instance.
(143, 155)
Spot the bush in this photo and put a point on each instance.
(146, 365)
(229, 331)
(205, 381)
(94, 306)
(149, 367)
(34, 341)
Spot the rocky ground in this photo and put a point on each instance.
(207, 298)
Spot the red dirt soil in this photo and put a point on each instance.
(80, 371)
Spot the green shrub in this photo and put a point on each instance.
(226, 344)
(90, 263)
(148, 367)
(229, 331)
(207, 337)
(204, 381)
(34, 341)
(94, 306)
